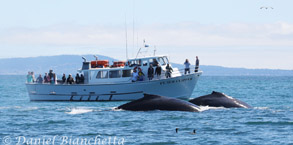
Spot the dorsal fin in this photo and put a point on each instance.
(218, 94)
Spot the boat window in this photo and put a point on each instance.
(161, 61)
(135, 63)
(126, 73)
(153, 61)
(166, 59)
(114, 73)
(102, 74)
(145, 62)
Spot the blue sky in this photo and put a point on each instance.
(227, 33)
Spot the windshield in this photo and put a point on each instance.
(166, 59)
(161, 61)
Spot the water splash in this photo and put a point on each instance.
(261, 108)
(79, 111)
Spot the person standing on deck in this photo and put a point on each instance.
(151, 72)
(169, 70)
(70, 79)
(53, 78)
(77, 78)
(81, 79)
(196, 64)
(63, 78)
(46, 78)
(187, 69)
(40, 79)
(158, 71)
(29, 77)
(140, 74)
(50, 74)
(33, 77)
(134, 75)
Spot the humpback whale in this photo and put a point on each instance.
(154, 102)
(218, 99)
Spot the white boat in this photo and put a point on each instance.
(106, 83)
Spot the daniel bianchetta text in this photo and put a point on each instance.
(63, 140)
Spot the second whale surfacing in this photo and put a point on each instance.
(154, 102)
(218, 99)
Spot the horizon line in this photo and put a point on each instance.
(26, 57)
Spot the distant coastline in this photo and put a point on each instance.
(70, 63)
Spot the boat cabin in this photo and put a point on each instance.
(99, 71)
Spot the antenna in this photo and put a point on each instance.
(133, 25)
(96, 57)
(136, 39)
(126, 37)
(138, 52)
(155, 50)
(84, 59)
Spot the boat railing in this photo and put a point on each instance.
(182, 71)
(178, 72)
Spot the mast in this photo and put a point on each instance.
(133, 30)
(126, 37)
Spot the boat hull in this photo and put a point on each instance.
(176, 87)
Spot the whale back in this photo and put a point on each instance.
(218, 99)
(154, 102)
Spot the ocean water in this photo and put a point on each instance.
(270, 121)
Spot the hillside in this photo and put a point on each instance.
(70, 63)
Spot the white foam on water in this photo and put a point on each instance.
(204, 108)
(261, 108)
(79, 111)
(115, 109)
(30, 108)
(10, 107)
(2, 108)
